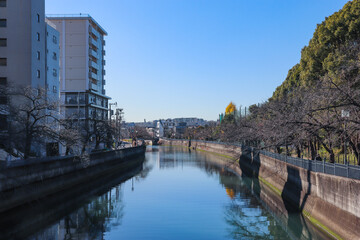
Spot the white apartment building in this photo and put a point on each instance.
(82, 83)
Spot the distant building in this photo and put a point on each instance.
(82, 82)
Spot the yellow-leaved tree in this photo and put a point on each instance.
(230, 109)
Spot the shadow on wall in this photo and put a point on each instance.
(291, 196)
(250, 163)
(250, 167)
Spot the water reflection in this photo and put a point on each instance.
(83, 212)
(178, 194)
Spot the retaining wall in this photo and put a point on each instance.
(34, 179)
(329, 202)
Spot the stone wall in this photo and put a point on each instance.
(329, 202)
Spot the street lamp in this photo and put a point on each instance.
(345, 114)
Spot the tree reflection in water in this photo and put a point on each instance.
(91, 221)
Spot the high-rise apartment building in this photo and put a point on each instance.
(82, 67)
(52, 62)
(22, 42)
(28, 54)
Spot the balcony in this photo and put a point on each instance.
(104, 82)
(104, 62)
(93, 42)
(93, 31)
(93, 76)
(93, 53)
(93, 65)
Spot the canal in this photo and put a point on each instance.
(176, 194)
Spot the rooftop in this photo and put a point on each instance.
(76, 16)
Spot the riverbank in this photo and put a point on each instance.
(329, 202)
(35, 179)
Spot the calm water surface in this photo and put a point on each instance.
(178, 194)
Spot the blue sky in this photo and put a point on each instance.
(190, 58)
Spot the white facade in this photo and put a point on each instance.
(82, 72)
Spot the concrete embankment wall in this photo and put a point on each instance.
(38, 178)
(329, 202)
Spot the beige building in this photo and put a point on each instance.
(81, 67)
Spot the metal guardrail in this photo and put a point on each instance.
(337, 169)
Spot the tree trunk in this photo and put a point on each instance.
(312, 150)
(28, 140)
(298, 152)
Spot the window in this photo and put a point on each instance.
(38, 73)
(54, 39)
(38, 17)
(2, 22)
(38, 36)
(3, 100)
(38, 55)
(54, 56)
(3, 61)
(3, 81)
(54, 72)
(3, 122)
(3, 42)
(54, 89)
(2, 3)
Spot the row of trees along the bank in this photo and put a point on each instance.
(317, 107)
(30, 120)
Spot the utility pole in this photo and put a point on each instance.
(111, 113)
(345, 114)
(119, 117)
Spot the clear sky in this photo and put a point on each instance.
(190, 58)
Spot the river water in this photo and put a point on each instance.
(178, 194)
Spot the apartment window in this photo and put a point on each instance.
(3, 81)
(54, 89)
(3, 61)
(54, 56)
(2, 22)
(38, 36)
(3, 122)
(38, 55)
(54, 39)
(3, 42)
(38, 73)
(2, 3)
(38, 17)
(54, 72)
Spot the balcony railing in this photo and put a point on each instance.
(93, 53)
(93, 42)
(93, 76)
(93, 65)
(93, 31)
